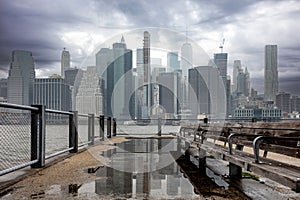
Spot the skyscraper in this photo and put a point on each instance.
(295, 104)
(186, 58)
(207, 94)
(172, 61)
(248, 86)
(89, 99)
(119, 82)
(220, 59)
(186, 62)
(103, 59)
(237, 67)
(271, 73)
(146, 57)
(118, 92)
(54, 93)
(169, 89)
(147, 71)
(104, 67)
(283, 102)
(65, 62)
(199, 96)
(73, 77)
(21, 78)
(139, 82)
(243, 83)
(140, 65)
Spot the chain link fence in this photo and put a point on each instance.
(15, 138)
(83, 128)
(29, 135)
(57, 132)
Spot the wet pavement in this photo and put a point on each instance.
(134, 169)
(138, 169)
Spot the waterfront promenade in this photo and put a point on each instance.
(91, 157)
(90, 174)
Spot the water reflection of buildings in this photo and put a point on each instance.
(142, 168)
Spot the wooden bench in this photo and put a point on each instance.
(221, 146)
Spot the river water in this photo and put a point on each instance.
(15, 139)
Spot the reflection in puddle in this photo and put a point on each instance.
(165, 183)
(143, 168)
(73, 188)
(93, 169)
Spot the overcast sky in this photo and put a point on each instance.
(46, 27)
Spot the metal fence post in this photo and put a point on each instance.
(101, 127)
(91, 129)
(73, 132)
(38, 130)
(159, 126)
(114, 127)
(108, 127)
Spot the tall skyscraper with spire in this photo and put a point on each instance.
(119, 80)
(147, 72)
(65, 62)
(186, 58)
(21, 78)
(186, 63)
(271, 73)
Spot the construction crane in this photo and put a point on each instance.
(222, 45)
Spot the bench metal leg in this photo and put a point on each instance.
(265, 153)
(298, 186)
(202, 161)
(235, 171)
(239, 147)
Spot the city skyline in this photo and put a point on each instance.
(206, 23)
(212, 78)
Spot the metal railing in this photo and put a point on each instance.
(33, 128)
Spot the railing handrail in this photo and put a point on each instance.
(38, 133)
(17, 106)
(83, 115)
(58, 112)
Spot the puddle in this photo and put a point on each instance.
(141, 169)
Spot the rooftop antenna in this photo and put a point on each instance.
(222, 45)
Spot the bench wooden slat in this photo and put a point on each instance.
(288, 151)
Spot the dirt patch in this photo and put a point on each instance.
(72, 170)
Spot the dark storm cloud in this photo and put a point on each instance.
(35, 28)
(46, 27)
(145, 13)
(222, 12)
(290, 84)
